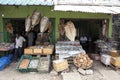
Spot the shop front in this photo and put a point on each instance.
(55, 46)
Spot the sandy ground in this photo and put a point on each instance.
(101, 72)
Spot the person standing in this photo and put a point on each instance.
(19, 42)
(83, 41)
(31, 38)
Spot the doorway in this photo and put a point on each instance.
(90, 27)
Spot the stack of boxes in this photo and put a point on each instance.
(115, 59)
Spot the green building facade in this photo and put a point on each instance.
(8, 12)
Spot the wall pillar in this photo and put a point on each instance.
(56, 29)
(110, 27)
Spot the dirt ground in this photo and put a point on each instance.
(101, 72)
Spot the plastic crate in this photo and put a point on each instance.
(44, 65)
(21, 59)
(35, 68)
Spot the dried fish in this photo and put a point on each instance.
(9, 28)
(28, 23)
(70, 31)
(35, 18)
(44, 24)
(61, 29)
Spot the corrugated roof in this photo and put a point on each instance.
(26, 2)
(89, 9)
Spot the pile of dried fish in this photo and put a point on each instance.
(83, 61)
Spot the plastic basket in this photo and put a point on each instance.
(44, 65)
(21, 59)
(35, 68)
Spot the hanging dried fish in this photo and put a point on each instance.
(49, 28)
(35, 18)
(9, 28)
(44, 24)
(70, 31)
(104, 29)
(61, 29)
(28, 23)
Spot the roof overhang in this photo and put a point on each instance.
(26, 2)
(88, 9)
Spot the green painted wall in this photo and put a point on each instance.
(23, 11)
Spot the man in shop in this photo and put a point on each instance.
(31, 38)
(19, 42)
(83, 41)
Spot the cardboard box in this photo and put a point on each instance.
(115, 61)
(105, 59)
(60, 65)
(115, 53)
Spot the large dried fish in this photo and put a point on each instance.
(28, 23)
(35, 18)
(44, 24)
(9, 28)
(49, 27)
(61, 29)
(70, 31)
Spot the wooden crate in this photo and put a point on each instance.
(60, 65)
(48, 50)
(37, 51)
(29, 50)
(115, 61)
(115, 53)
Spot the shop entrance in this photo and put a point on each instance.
(90, 27)
(18, 25)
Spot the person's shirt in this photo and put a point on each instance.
(83, 39)
(19, 41)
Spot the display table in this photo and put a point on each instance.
(6, 48)
(106, 46)
(68, 48)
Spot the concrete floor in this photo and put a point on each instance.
(100, 73)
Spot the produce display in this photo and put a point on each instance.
(83, 61)
(106, 45)
(6, 46)
(33, 63)
(70, 48)
(24, 64)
